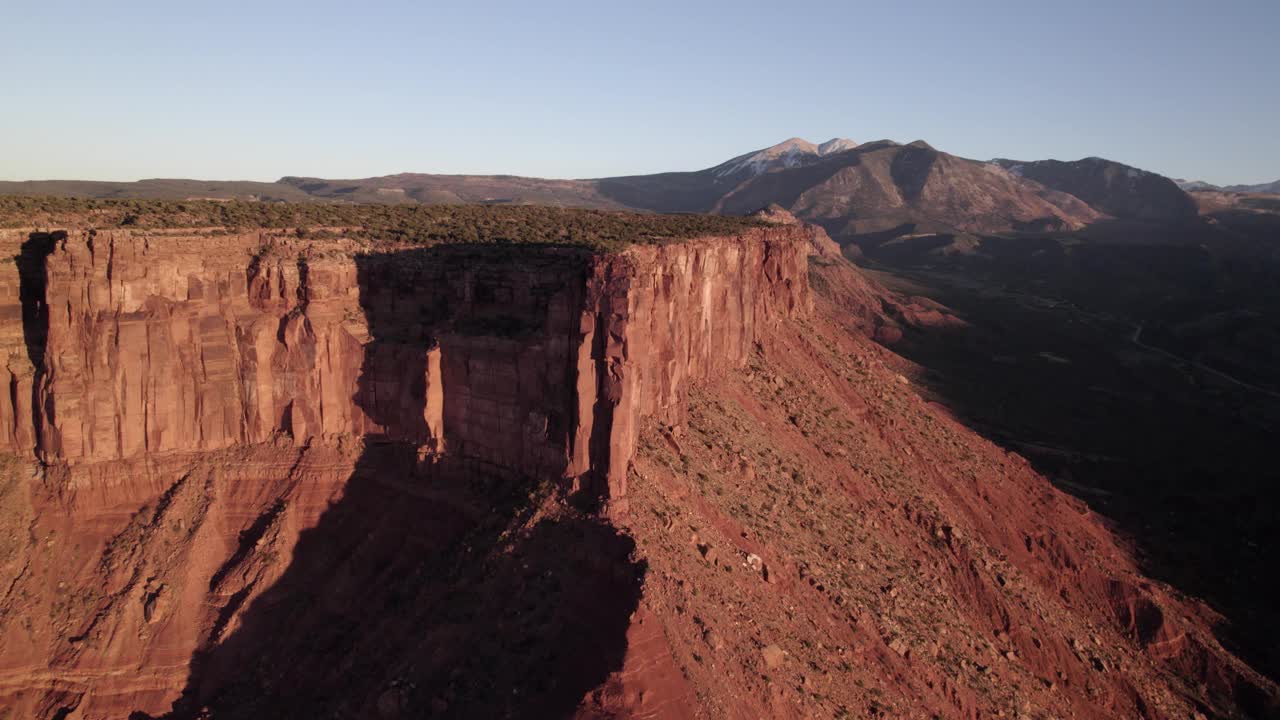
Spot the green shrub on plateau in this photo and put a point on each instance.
(426, 224)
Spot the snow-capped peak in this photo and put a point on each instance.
(786, 154)
(835, 145)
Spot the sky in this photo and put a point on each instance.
(256, 90)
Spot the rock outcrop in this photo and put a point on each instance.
(538, 361)
(186, 409)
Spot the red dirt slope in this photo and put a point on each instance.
(821, 542)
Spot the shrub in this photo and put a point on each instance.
(423, 224)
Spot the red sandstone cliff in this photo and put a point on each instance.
(255, 476)
(171, 395)
(162, 343)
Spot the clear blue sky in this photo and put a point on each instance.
(255, 90)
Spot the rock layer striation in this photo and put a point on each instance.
(541, 361)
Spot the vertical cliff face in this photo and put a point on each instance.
(660, 318)
(537, 361)
(197, 425)
(185, 410)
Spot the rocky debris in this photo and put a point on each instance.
(709, 553)
(773, 656)
(713, 639)
(900, 646)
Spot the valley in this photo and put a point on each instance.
(1159, 438)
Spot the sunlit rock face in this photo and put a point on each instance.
(134, 345)
(184, 408)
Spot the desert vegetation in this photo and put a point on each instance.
(428, 225)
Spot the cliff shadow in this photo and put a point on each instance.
(1180, 460)
(32, 285)
(32, 282)
(436, 586)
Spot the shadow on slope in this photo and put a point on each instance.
(1181, 459)
(432, 588)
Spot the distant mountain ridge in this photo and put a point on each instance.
(158, 189)
(1192, 185)
(853, 188)
(849, 188)
(1272, 188)
(880, 186)
(454, 189)
(1113, 188)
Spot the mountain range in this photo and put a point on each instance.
(850, 188)
(1118, 190)
(1004, 449)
